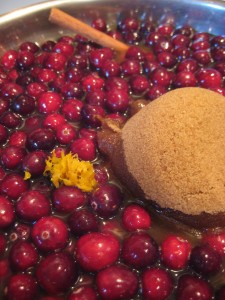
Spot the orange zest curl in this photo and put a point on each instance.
(70, 171)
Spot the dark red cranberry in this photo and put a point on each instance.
(132, 37)
(4, 269)
(98, 56)
(53, 121)
(188, 64)
(20, 232)
(6, 212)
(24, 79)
(139, 84)
(209, 78)
(93, 115)
(106, 200)
(129, 24)
(84, 292)
(12, 156)
(117, 100)
(135, 217)
(216, 241)
(99, 24)
(67, 198)
(21, 286)
(48, 46)
(96, 98)
(117, 282)
(18, 138)
(34, 163)
(50, 233)
(88, 133)
(72, 90)
(182, 53)
(80, 61)
(3, 243)
(41, 139)
(185, 79)
(32, 206)
(161, 76)
(3, 134)
(152, 38)
(115, 34)
(64, 48)
(156, 284)
(82, 221)
(166, 59)
(2, 173)
(200, 44)
(11, 120)
(55, 61)
(13, 185)
(25, 59)
(175, 252)
(101, 174)
(156, 91)
(32, 123)
(203, 57)
(4, 106)
(92, 82)
(46, 75)
(49, 102)
(50, 276)
(8, 59)
(218, 40)
(130, 67)
(71, 109)
(74, 74)
(35, 89)
(23, 256)
(84, 148)
(65, 133)
(23, 105)
(150, 66)
(190, 287)
(203, 36)
(205, 260)
(162, 44)
(29, 46)
(116, 83)
(220, 66)
(185, 30)
(218, 54)
(110, 68)
(165, 29)
(139, 250)
(96, 250)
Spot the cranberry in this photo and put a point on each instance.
(11, 120)
(82, 221)
(12, 157)
(50, 233)
(72, 90)
(203, 36)
(92, 82)
(18, 138)
(209, 78)
(185, 79)
(205, 260)
(188, 64)
(180, 40)
(64, 48)
(21, 286)
(29, 46)
(8, 59)
(23, 255)
(110, 68)
(4, 269)
(129, 24)
(35, 89)
(3, 134)
(190, 287)
(106, 200)
(117, 100)
(166, 59)
(130, 67)
(139, 84)
(49, 102)
(98, 56)
(67, 198)
(117, 282)
(101, 174)
(13, 185)
(135, 53)
(55, 61)
(216, 241)
(84, 148)
(71, 109)
(156, 91)
(74, 74)
(32, 123)
(156, 284)
(96, 250)
(96, 98)
(175, 252)
(41, 139)
(53, 121)
(79, 60)
(161, 76)
(139, 250)
(182, 53)
(32, 206)
(34, 163)
(186, 30)
(152, 38)
(135, 217)
(88, 133)
(3, 243)
(4, 105)
(116, 83)
(162, 44)
(84, 292)
(65, 133)
(20, 232)
(25, 59)
(165, 29)
(6, 212)
(46, 75)
(57, 272)
(93, 115)
(203, 57)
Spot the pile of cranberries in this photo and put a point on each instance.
(63, 243)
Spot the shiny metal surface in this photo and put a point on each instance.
(31, 23)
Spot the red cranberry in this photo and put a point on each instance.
(8, 59)
(180, 40)
(65, 133)
(3, 243)
(152, 38)
(188, 64)
(156, 91)
(34, 163)
(117, 100)
(4, 106)
(13, 185)
(92, 82)
(185, 79)
(79, 60)
(203, 57)
(6, 212)
(83, 293)
(53, 121)
(139, 250)
(82, 221)
(88, 133)
(3, 134)
(117, 282)
(55, 61)
(203, 36)
(156, 284)
(130, 67)
(50, 233)
(93, 115)
(32, 123)
(116, 83)
(96, 250)
(21, 286)
(49, 102)
(18, 138)
(74, 74)
(35, 89)
(32, 206)
(71, 109)
(209, 78)
(205, 260)
(72, 90)
(50, 276)
(110, 68)
(106, 200)
(84, 148)
(216, 241)
(162, 44)
(96, 98)
(29, 46)
(64, 48)
(46, 75)
(67, 198)
(139, 84)
(12, 157)
(4, 269)
(25, 59)
(218, 54)
(41, 139)
(101, 174)
(165, 29)
(129, 24)
(190, 287)
(11, 120)
(182, 53)
(98, 56)
(161, 76)
(23, 255)
(135, 217)
(166, 59)
(185, 30)
(175, 252)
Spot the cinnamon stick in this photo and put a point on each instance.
(67, 21)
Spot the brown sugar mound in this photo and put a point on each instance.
(174, 148)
